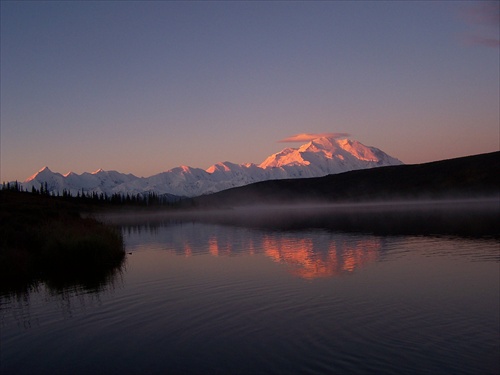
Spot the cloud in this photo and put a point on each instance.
(483, 19)
(305, 137)
(482, 41)
(485, 13)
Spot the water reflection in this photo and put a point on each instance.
(307, 261)
(313, 242)
(201, 297)
(68, 293)
(66, 302)
(308, 254)
(91, 280)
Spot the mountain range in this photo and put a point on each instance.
(469, 177)
(319, 157)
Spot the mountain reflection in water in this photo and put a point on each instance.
(283, 233)
(307, 262)
(323, 254)
(241, 294)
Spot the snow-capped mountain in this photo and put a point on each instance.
(319, 157)
(99, 181)
(325, 155)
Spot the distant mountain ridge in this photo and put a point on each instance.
(470, 177)
(319, 157)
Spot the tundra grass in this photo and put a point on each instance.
(42, 238)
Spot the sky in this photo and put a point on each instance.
(143, 87)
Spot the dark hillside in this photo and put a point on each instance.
(465, 177)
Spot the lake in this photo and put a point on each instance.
(319, 290)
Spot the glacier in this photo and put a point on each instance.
(317, 158)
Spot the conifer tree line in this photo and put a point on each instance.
(140, 199)
(15, 186)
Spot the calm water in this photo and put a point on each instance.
(229, 296)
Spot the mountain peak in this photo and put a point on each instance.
(326, 146)
(44, 171)
(320, 144)
(318, 157)
(330, 150)
(224, 167)
(221, 166)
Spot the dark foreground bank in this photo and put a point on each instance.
(43, 238)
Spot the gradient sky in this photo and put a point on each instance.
(143, 87)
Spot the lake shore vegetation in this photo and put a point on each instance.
(48, 238)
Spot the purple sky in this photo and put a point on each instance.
(143, 87)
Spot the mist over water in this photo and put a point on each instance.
(372, 288)
(471, 217)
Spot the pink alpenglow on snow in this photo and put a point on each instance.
(318, 157)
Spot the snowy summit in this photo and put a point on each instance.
(316, 158)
